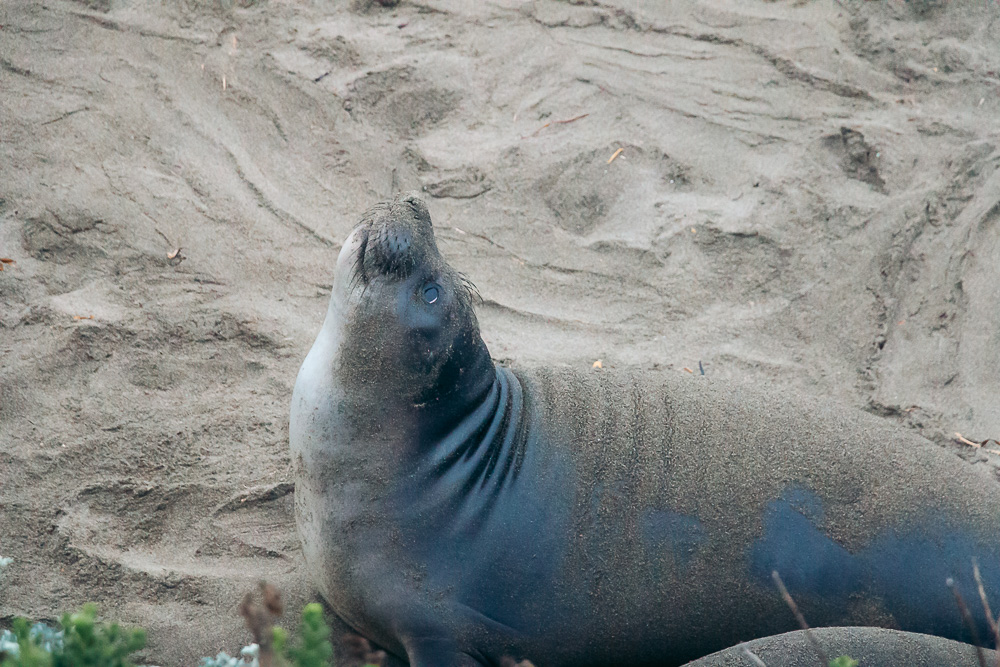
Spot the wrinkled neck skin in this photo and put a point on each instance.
(389, 405)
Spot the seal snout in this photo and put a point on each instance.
(399, 237)
(390, 250)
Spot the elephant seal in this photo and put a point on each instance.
(455, 512)
(871, 647)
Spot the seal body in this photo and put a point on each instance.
(869, 646)
(456, 512)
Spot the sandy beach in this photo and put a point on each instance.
(793, 193)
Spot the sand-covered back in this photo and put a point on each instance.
(802, 194)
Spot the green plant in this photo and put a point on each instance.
(19, 648)
(314, 648)
(843, 661)
(87, 643)
(83, 641)
(248, 658)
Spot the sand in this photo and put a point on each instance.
(807, 194)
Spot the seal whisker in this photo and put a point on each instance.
(364, 289)
(355, 277)
(358, 275)
(470, 289)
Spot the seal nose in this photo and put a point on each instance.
(391, 250)
(399, 237)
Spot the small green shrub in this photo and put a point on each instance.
(248, 658)
(314, 648)
(20, 647)
(82, 642)
(87, 643)
(843, 661)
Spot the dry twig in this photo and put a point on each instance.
(978, 445)
(967, 617)
(359, 651)
(556, 122)
(753, 656)
(824, 661)
(573, 119)
(260, 620)
(990, 618)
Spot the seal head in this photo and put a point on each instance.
(410, 331)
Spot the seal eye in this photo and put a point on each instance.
(430, 293)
